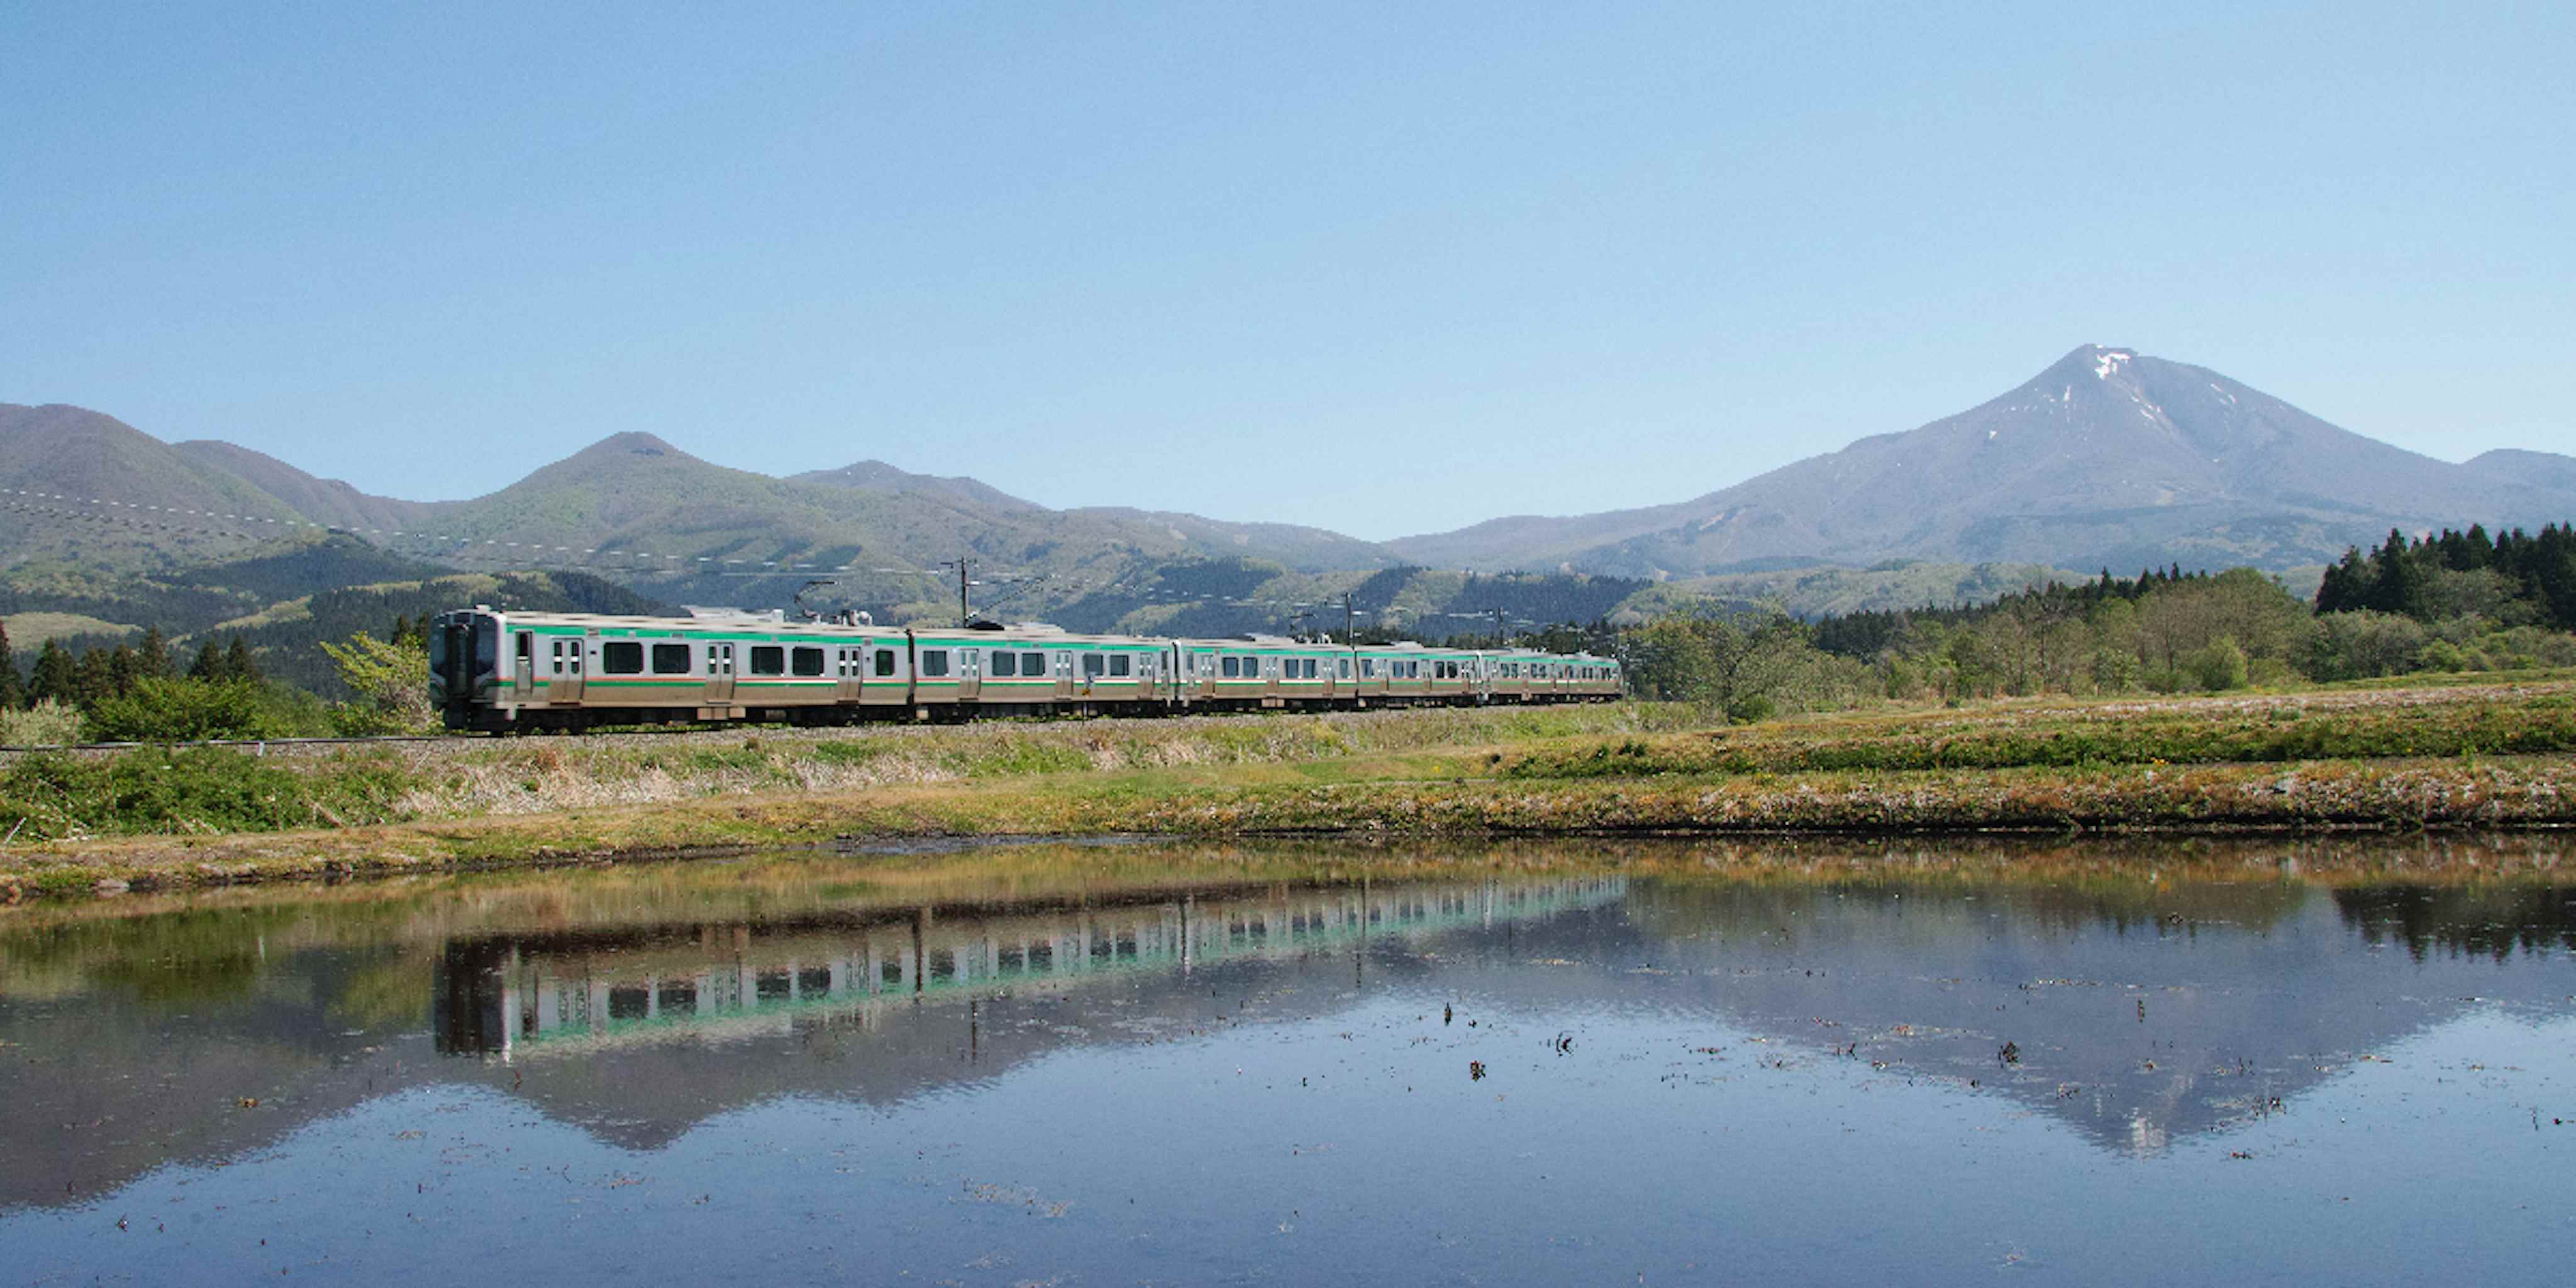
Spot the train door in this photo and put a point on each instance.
(970, 674)
(523, 666)
(849, 660)
(719, 673)
(563, 663)
(887, 681)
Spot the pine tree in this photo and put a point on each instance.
(124, 666)
(2397, 582)
(237, 663)
(2346, 587)
(152, 657)
(91, 680)
(54, 675)
(13, 691)
(209, 664)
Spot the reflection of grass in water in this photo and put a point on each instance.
(207, 941)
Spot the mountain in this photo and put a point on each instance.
(2107, 458)
(877, 476)
(2514, 466)
(89, 499)
(328, 502)
(90, 490)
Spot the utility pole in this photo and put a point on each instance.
(1346, 619)
(1500, 640)
(963, 565)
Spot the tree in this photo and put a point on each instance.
(55, 676)
(209, 664)
(2397, 584)
(391, 681)
(91, 680)
(124, 667)
(1748, 663)
(152, 657)
(13, 690)
(237, 663)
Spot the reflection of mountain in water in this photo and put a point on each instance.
(2133, 1029)
(2140, 1012)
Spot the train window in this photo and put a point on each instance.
(808, 661)
(885, 661)
(1006, 665)
(1310, 668)
(1093, 666)
(670, 659)
(934, 661)
(1120, 664)
(1232, 666)
(1343, 665)
(622, 658)
(1033, 664)
(768, 659)
(527, 652)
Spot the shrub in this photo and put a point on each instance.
(183, 710)
(2216, 666)
(2363, 645)
(47, 724)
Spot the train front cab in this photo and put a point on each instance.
(465, 668)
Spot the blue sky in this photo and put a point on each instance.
(1382, 268)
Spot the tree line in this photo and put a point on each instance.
(2515, 578)
(130, 692)
(2456, 601)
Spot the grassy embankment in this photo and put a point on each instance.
(2380, 758)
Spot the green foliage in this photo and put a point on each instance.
(1748, 665)
(199, 789)
(2513, 579)
(2187, 733)
(2362, 644)
(388, 681)
(184, 710)
(54, 678)
(13, 690)
(2217, 666)
(46, 724)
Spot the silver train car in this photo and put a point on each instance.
(511, 672)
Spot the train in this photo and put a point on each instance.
(495, 671)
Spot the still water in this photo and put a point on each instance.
(1540, 1064)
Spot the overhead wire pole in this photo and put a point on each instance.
(1346, 619)
(963, 565)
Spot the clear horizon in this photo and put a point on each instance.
(1383, 273)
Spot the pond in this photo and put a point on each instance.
(1553, 1063)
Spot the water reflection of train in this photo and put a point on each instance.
(533, 996)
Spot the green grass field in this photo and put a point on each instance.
(2488, 754)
